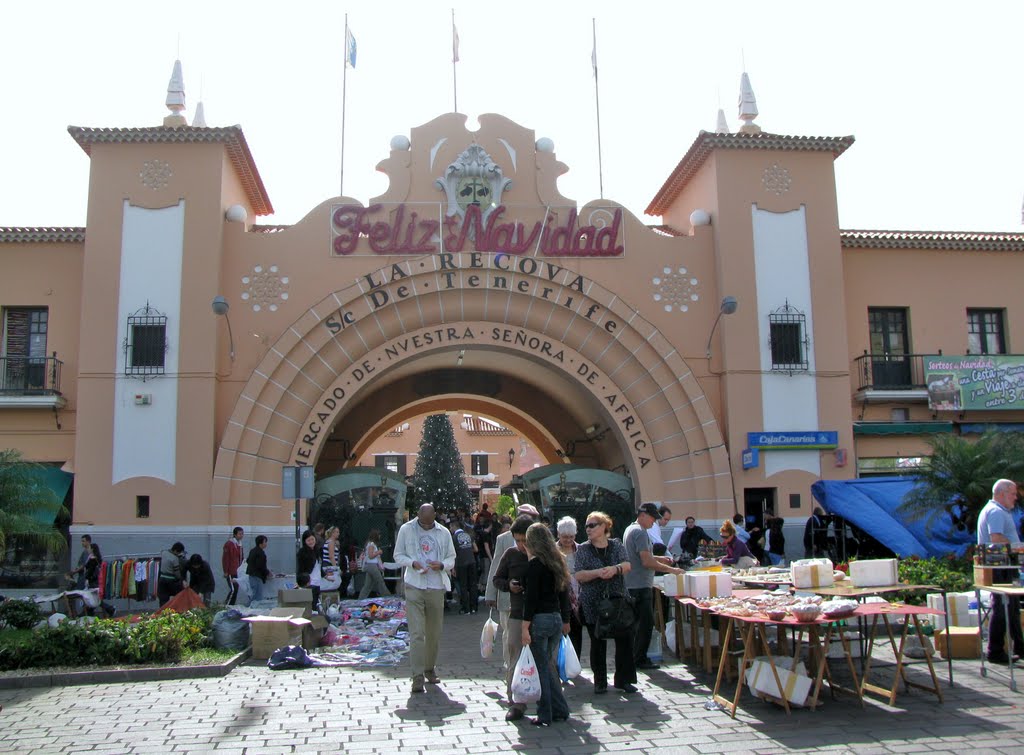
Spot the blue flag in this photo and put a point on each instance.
(350, 48)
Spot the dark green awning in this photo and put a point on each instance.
(901, 428)
(58, 482)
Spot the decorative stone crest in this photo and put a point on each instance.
(155, 174)
(776, 179)
(473, 179)
(675, 289)
(264, 288)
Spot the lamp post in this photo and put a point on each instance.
(511, 457)
(220, 306)
(728, 306)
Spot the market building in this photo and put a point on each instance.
(175, 354)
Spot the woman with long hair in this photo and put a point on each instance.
(601, 563)
(736, 551)
(567, 545)
(330, 570)
(307, 563)
(92, 577)
(373, 578)
(546, 618)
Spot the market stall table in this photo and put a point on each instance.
(909, 615)
(688, 608)
(1010, 592)
(752, 631)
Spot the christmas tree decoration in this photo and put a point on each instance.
(440, 478)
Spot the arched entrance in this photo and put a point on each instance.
(570, 338)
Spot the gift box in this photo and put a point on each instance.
(704, 584)
(796, 685)
(811, 572)
(673, 585)
(960, 613)
(959, 642)
(876, 572)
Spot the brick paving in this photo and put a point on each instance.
(255, 710)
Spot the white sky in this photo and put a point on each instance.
(932, 91)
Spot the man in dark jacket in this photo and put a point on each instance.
(200, 577)
(692, 537)
(256, 568)
(172, 573)
(816, 534)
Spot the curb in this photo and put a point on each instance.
(119, 676)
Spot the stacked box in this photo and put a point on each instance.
(707, 584)
(811, 572)
(876, 572)
(272, 632)
(960, 614)
(302, 596)
(673, 585)
(796, 685)
(958, 642)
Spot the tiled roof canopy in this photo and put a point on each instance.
(963, 241)
(42, 235)
(231, 137)
(707, 142)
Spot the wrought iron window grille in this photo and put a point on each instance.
(145, 345)
(788, 339)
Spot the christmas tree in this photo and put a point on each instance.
(440, 478)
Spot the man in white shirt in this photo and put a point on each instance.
(427, 554)
(996, 526)
(654, 533)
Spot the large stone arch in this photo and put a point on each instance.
(553, 315)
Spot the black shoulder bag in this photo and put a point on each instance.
(615, 614)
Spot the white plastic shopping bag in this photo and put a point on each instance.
(571, 667)
(487, 637)
(526, 679)
(670, 635)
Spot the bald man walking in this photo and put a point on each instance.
(427, 554)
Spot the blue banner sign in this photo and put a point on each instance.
(750, 458)
(790, 440)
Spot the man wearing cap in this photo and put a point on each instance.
(640, 579)
(427, 553)
(502, 599)
(172, 573)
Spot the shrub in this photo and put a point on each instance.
(19, 614)
(153, 639)
(951, 573)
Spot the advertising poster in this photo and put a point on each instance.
(981, 381)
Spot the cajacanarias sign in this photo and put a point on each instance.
(401, 229)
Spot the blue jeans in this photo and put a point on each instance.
(255, 588)
(545, 635)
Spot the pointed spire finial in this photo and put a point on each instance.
(199, 119)
(722, 125)
(176, 97)
(747, 107)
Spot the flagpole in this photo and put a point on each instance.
(455, 59)
(597, 101)
(344, 77)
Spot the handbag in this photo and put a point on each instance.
(615, 615)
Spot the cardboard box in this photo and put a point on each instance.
(301, 612)
(811, 572)
(958, 642)
(272, 632)
(960, 615)
(796, 685)
(673, 584)
(706, 584)
(875, 572)
(983, 575)
(297, 597)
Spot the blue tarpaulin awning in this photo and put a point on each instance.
(873, 505)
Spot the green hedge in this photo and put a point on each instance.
(157, 639)
(952, 573)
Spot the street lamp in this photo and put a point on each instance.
(728, 306)
(220, 306)
(511, 456)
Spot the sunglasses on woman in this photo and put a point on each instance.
(591, 525)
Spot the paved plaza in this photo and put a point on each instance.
(255, 710)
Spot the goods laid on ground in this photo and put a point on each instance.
(370, 632)
(792, 674)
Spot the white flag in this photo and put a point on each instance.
(455, 44)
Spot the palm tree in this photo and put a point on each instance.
(957, 481)
(26, 505)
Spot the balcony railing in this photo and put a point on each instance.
(30, 376)
(889, 372)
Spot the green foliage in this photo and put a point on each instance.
(952, 573)
(154, 639)
(506, 506)
(22, 498)
(962, 472)
(19, 614)
(440, 478)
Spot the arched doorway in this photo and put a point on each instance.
(573, 354)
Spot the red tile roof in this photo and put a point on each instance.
(707, 142)
(231, 137)
(13, 235)
(966, 241)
